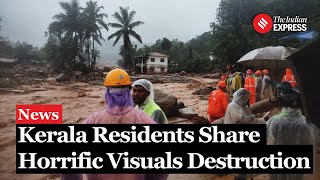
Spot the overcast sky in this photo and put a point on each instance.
(27, 20)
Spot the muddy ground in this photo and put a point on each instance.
(79, 100)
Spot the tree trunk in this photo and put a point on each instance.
(128, 59)
(264, 105)
(93, 54)
(74, 50)
(88, 49)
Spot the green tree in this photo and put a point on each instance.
(68, 27)
(93, 18)
(125, 25)
(166, 45)
(232, 31)
(73, 34)
(233, 35)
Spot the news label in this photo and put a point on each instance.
(38, 114)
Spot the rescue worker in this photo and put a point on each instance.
(258, 85)
(236, 82)
(290, 127)
(119, 110)
(239, 112)
(143, 97)
(250, 86)
(218, 102)
(289, 77)
(229, 84)
(266, 91)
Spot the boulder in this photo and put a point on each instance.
(180, 105)
(182, 73)
(187, 113)
(167, 102)
(204, 91)
(63, 77)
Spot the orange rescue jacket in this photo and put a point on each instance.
(217, 103)
(290, 78)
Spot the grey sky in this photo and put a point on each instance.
(27, 20)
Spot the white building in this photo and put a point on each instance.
(156, 63)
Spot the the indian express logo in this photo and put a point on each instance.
(263, 23)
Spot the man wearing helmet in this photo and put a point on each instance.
(119, 110)
(218, 102)
(250, 86)
(119, 102)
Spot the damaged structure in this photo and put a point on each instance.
(151, 63)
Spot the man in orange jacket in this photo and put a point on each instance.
(250, 86)
(218, 102)
(289, 77)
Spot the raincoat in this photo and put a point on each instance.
(238, 111)
(217, 104)
(250, 86)
(266, 91)
(236, 82)
(149, 106)
(290, 127)
(229, 83)
(258, 86)
(119, 110)
(290, 78)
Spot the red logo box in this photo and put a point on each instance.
(38, 114)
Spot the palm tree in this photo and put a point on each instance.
(68, 25)
(93, 18)
(126, 25)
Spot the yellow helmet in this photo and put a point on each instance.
(117, 77)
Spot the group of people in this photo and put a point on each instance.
(133, 103)
(288, 127)
(258, 85)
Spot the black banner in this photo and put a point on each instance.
(107, 148)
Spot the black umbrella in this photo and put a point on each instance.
(305, 64)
